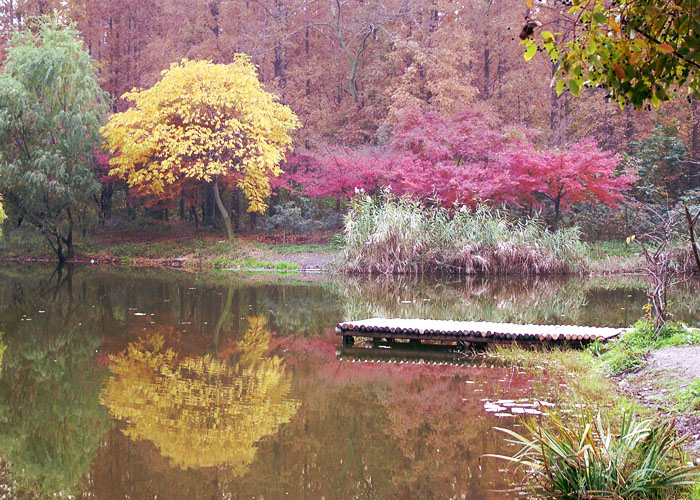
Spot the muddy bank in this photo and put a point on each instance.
(666, 372)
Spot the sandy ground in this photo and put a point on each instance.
(667, 370)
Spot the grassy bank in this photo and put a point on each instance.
(382, 238)
(610, 440)
(389, 235)
(207, 251)
(631, 349)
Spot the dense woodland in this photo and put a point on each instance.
(432, 99)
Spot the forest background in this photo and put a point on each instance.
(430, 98)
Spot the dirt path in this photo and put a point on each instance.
(668, 370)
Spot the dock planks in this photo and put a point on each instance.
(470, 331)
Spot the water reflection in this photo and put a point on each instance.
(51, 422)
(118, 383)
(200, 411)
(592, 301)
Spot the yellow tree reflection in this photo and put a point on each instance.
(2, 351)
(201, 411)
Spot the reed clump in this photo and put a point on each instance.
(390, 235)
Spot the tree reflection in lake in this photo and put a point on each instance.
(229, 386)
(599, 301)
(51, 421)
(200, 411)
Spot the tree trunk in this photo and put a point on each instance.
(70, 250)
(68, 240)
(486, 72)
(237, 209)
(106, 203)
(694, 144)
(554, 113)
(196, 219)
(557, 213)
(691, 229)
(223, 316)
(222, 209)
(208, 216)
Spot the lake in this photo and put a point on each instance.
(148, 383)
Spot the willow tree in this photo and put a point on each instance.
(51, 108)
(202, 121)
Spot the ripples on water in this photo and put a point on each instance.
(119, 383)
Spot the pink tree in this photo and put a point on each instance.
(460, 159)
(580, 173)
(338, 172)
(466, 158)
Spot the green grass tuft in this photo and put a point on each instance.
(251, 263)
(628, 352)
(688, 399)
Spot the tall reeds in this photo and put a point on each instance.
(390, 235)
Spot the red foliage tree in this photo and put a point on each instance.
(463, 159)
(580, 173)
(339, 172)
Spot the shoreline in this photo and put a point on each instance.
(319, 262)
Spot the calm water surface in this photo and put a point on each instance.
(143, 384)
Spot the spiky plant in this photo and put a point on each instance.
(589, 460)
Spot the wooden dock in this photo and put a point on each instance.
(432, 330)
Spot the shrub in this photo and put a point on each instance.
(301, 217)
(390, 235)
(588, 460)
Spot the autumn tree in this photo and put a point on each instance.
(577, 174)
(3, 216)
(116, 33)
(640, 51)
(458, 158)
(339, 172)
(202, 121)
(51, 107)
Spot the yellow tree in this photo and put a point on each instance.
(2, 216)
(202, 121)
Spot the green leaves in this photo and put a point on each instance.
(599, 18)
(581, 459)
(531, 50)
(637, 50)
(560, 87)
(574, 87)
(51, 106)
